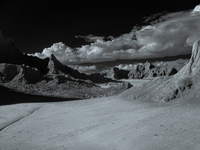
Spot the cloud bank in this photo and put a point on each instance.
(84, 69)
(171, 35)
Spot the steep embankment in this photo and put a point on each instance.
(184, 84)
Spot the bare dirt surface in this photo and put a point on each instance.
(99, 124)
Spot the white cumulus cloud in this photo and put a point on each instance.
(174, 34)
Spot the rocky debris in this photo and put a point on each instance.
(184, 84)
(19, 73)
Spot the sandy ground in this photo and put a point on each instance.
(100, 124)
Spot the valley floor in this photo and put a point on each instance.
(100, 124)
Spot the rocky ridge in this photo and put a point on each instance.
(140, 71)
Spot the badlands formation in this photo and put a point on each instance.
(49, 77)
(160, 114)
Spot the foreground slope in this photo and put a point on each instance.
(99, 124)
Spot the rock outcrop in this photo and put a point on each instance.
(140, 71)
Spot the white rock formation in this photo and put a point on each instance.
(196, 9)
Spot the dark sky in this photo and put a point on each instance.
(35, 25)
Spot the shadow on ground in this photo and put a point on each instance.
(8, 96)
